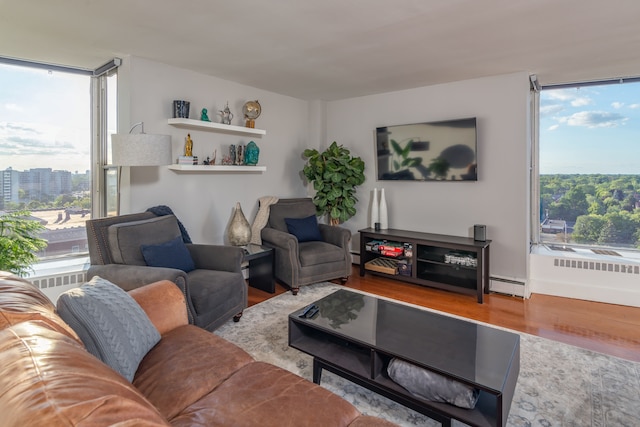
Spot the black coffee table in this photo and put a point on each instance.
(355, 336)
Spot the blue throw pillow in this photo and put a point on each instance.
(305, 229)
(171, 254)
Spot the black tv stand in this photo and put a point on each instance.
(452, 263)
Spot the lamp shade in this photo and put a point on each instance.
(141, 149)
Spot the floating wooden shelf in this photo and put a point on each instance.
(217, 168)
(216, 127)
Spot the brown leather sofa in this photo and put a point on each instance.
(190, 378)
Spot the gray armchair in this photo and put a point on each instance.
(302, 263)
(215, 290)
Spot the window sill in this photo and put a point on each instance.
(586, 253)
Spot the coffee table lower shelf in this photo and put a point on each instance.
(382, 386)
(367, 368)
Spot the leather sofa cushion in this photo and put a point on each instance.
(186, 365)
(314, 253)
(49, 379)
(22, 301)
(257, 391)
(126, 238)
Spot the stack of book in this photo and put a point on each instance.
(392, 249)
(187, 160)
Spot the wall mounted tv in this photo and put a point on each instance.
(431, 151)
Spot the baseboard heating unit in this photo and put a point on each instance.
(582, 273)
(505, 286)
(52, 285)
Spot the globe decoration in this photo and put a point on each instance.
(251, 111)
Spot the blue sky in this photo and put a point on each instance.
(44, 119)
(594, 129)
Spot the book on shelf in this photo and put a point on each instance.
(187, 160)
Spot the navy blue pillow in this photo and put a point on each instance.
(305, 229)
(171, 254)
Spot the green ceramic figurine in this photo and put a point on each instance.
(204, 116)
(251, 154)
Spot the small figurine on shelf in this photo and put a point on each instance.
(226, 114)
(188, 146)
(240, 155)
(213, 161)
(206, 161)
(226, 160)
(204, 116)
(251, 154)
(232, 154)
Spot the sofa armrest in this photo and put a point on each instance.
(335, 235)
(216, 257)
(164, 304)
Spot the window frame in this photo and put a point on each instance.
(99, 121)
(536, 89)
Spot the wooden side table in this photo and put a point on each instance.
(260, 259)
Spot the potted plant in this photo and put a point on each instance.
(19, 242)
(335, 174)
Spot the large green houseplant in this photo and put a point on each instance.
(335, 174)
(19, 242)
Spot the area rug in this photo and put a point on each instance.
(559, 384)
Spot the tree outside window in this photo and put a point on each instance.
(589, 145)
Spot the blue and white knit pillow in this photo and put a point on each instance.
(110, 323)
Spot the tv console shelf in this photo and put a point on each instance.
(452, 263)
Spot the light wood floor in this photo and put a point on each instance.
(605, 328)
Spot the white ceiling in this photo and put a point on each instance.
(335, 49)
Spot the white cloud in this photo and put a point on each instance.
(549, 110)
(634, 106)
(571, 96)
(13, 107)
(594, 119)
(553, 127)
(617, 105)
(581, 101)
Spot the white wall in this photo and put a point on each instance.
(204, 201)
(498, 199)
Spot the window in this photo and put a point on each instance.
(54, 123)
(589, 165)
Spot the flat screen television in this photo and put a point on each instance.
(431, 151)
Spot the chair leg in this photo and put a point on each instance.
(294, 291)
(343, 280)
(237, 317)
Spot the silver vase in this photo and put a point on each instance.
(239, 233)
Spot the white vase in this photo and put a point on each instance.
(374, 209)
(239, 233)
(384, 217)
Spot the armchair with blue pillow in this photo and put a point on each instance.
(137, 249)
(306, 252)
